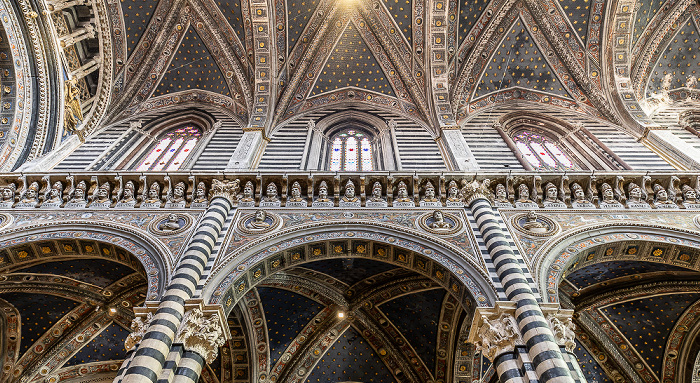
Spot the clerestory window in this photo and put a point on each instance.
(172, 150)
(351, 150)
(541, 152)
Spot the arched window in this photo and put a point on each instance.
(541, 152)
(172, 150)
(351, 150)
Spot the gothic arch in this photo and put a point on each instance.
(153, 256)
(239, 268)
(553, 259)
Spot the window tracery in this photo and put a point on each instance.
(541, 152)
(172, 150)
(351, 150)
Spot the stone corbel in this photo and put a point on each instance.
(203, 330)
(494, 330)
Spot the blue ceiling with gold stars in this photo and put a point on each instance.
(349, 271)
(578, 12)
(646, 11)
(38, 313)
(107, 345)
(469, 13)
(519, 62)
(192, 67)
(299, 13)
(234, 14)
(647, 322)
(600, 272)
(680, 59)
(286, 313)
(589, 366)
(98, 272)
(401, 11)
(350, 359)
(137, 15)
(417, 317)
(352, 64)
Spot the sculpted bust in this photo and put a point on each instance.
(377, 193)
(402, 193)
(178, 193)
(634, 192)
(608, 194)
(200, 194)
(501, 195)
(439, 222)
(323, 193)
(429, 193)
(8, 193)
(30, 196)
(129, 193)
(689, 195)
(551, 193)
(103, 193)
(579, 194)
(349, 195)
(55, 193)
(524, 194)
(296, 193)
(661, 196)
(153, 193)
(258, 221)
(79, 193)
(271, 193)
(533, 225)
(247, 193)
(453, 192)
(172, 224)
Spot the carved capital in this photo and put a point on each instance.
(225, 188)
(562, 326)
(138, 329)
(201, 333)
(494, 330)
(471, 191)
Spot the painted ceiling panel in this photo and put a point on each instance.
(604, 271)
(107, 345)
(469, 13)
(286, 314)
(589, 366)
(349, 271)
(234, 14)
(98, 272)
(38, 312)
(519, 62)
(352, 64)
(647, 323)
(578, 12)
(193, 67)
(137, 15)
(647, 10)
(401, 11)
(680, 59)
(350, 359)
(417, 316)
(299, 13)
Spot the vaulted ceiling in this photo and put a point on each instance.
(436, 61)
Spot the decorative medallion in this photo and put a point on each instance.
(5, 219)
(439, 222)
(259, 222)
(697, 221)
(533, 224)
(170, 224)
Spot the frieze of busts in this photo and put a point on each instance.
(247, 199)
(178, 196)
(78, 198)
(295, 198)
(128, 196)
(201, 334)
(579, 198)
(7, 195)
(322, 200)
(402, 199)
(376, 199)
(635, 197)
(429, 198)
(551, 197)
(661, 200)
(454, 197)
(271, 198)
(349, 198)
(54, 196)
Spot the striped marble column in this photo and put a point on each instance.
(190, 368)
(543, 350)
(154, 347)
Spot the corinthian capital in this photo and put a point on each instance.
(138, 329)
(474, 190)
(201, 334)
(226, 188)
(497, 335)
(563, 328)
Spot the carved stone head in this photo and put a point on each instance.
(429, 191)
(634, 192)
(103, 192)
(79, 193)
(350, 190)
(56, 191)
(296, 190)
(579, 194)
(551, 192)
(271, 191)
(661, 196)
(154, 191)
(377, 190)
(179, 190)
(32, 191)
(129, 191)
(608, 194)
(323, 191)
(501, 194)
(402, 190)
(523, 193)
(689, 194)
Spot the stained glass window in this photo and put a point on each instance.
(541, 152)
(351, 150)
(172, 150)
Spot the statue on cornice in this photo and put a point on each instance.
(271, 194)
(608, 193)
(129, 193)
(524, 194)
(634, 193)
(8, 193)
(73, 109)
(103, 193)
(30, 196)
(178, 193)
(153, 193)
(200, 194)
(551, 193)
(689, 195)
(661, 197)
(579, 194)
(501, 194)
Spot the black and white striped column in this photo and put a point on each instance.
(155, 346)
(190, 368)
(543, 350)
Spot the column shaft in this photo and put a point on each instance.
(542, 348)
(155, 345)
(190, 368)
